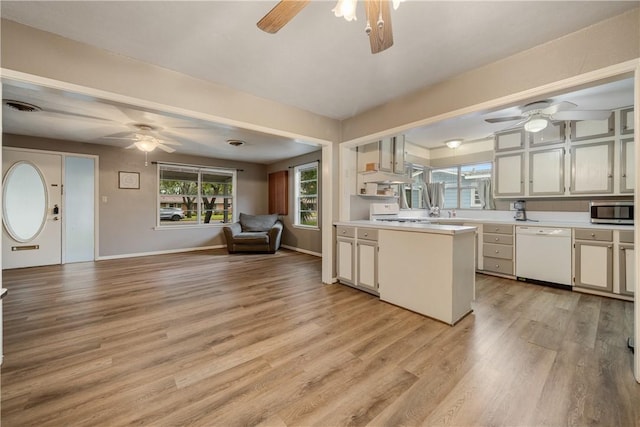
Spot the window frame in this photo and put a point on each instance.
(199, 170)
(296, 195)
(459, 187)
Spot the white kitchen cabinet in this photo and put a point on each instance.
(345, 254)
(626, 265)
(398, 154)
(509, 140)
(508, 175)
(590, 129)
(627, 125)
(554, 133)
(386, 154)
(546, 172)
(593, 259)
(592, 168)
(627, 166)
(367, 260)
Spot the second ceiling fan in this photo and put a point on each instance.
(378, 26)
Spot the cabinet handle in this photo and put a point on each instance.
(497, 251)
(623, 249)
(497, 239)
(497, 229)
(344, 231)
(366, 234)
(609, 247)
(497, 265)
(593, 234)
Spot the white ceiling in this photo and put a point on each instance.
(317, 62)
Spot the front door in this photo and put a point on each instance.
(32, 209)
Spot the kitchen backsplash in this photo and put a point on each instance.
(557, 205)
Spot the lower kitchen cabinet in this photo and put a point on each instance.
(357, 257)
(367, 260)
(593, 259)
(345, 254)
(626, 263)
(497, 249)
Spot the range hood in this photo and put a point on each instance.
(386, 178)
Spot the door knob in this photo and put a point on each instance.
(55, 218)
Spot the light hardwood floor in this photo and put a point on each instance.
(206, 338)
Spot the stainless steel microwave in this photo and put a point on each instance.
(612, 212)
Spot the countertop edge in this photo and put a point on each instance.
(416, 227)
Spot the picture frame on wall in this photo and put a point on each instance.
(129, 180)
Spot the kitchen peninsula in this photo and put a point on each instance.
(426, 268)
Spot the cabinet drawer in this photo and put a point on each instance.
(345, 231)
(498, 228)
(498, 265)
(626, 236)
(367, 234)
(591, 234)
(497, 251)
(501, 239)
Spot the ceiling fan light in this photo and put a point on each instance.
(146, 145)
(536, 124)
(346, 9)
(454, 143)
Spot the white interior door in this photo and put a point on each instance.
(32, 209)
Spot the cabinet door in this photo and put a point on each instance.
(589, 129)
(627, 265)
(627, 166)
(594, 268)
(591, 168)
(368, 264)
(508, 177)
(385, 147)
(627, 124)
(398, 154)
(511, 140)
(546, 172)
(552, 134)
(345, 256)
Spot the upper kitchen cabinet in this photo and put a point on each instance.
(509, 175)
(385, 146)
(627, 125)
(592, 168)
(546, 172)
(554, 133)
(398, 154)
(590, 129)
(509, 140)
(627, 166)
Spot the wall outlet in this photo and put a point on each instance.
(512, 206)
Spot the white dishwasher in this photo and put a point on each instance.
(544, 254)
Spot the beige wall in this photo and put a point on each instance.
(609, 42)
(296, 237)
(127, 220)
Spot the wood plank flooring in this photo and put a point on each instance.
(211, 339)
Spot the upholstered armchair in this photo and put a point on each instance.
(254, 233)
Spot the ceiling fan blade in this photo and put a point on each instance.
(131, 146)
(379, 38)
(280, 15)
(68, 115)
(165, 148)
(560, 106)
(503, 119)
(582, 115)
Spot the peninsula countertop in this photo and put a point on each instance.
(449, 229)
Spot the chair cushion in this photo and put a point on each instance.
(257, 222)
(251, 238)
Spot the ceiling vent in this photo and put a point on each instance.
(21, 106)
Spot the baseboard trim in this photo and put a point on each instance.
(169, 251)
(304, 251)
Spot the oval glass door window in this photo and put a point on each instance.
(24, 201)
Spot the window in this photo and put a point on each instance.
(306, 195)
(461, 184)
(191, 195)
(413, 191)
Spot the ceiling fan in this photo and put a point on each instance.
(144, 140)
(536, 115)
(378, 26)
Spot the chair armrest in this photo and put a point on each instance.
(275, 235)
(232, 229)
